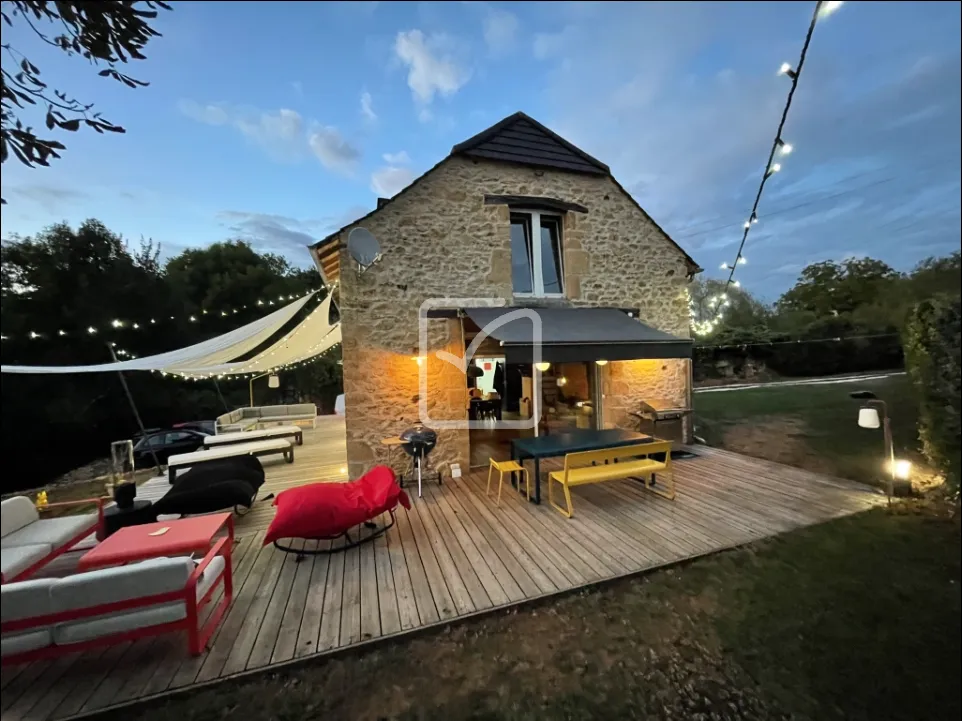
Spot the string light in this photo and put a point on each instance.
(706, 326)
(123, 324)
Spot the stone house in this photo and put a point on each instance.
(518, 216)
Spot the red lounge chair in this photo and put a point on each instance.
(328, 511)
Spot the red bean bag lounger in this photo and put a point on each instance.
(328, 511)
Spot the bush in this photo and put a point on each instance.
(932, 354)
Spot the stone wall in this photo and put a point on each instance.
(439, 240)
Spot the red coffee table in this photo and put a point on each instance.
(135, 543)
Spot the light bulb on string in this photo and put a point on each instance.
(783, 147)
(724, 266)
(786, 69)
(61, 332)
(742, 260)
(91, 330)
(117, 323)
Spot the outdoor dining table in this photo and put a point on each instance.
(573, 441)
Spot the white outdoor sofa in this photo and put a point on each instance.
(258, 434)
(28, 542)
(244, 419)
(54, 616)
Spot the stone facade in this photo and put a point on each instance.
(440, 240)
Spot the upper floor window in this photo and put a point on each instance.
(536, 258)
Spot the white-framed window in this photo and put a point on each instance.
(536, 253)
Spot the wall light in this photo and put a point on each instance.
(542, 366)
(601, 362)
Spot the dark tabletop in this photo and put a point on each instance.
(577, 439)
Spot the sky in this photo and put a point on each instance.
(281, 122)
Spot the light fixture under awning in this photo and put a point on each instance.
(578, 334)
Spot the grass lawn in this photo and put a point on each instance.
(812, 427)
(854, 619)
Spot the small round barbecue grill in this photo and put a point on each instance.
(418, 442)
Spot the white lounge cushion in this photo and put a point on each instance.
(25, 599)
(55, 531)
(19, 558)
(15, 513)
(121, 583)
(27, 641)
(77, 631)
(98, 626)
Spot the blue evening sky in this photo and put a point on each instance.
(279, 122)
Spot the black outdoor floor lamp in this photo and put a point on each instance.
(868, 417)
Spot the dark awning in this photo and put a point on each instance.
(578, 334)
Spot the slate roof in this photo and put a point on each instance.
(522, 139)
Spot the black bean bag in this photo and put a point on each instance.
(213, 487)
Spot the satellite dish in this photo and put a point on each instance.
(364, 248)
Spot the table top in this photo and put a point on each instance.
(240, 436)
(228, 450)
(134, 543)
(575, 440)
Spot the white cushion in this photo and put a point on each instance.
(26, 641)
(210, 574)
(55, 531)
(77, 631)
(25, 599)
(15, 513)
(121, 583)
(144, 617)
(19, 558)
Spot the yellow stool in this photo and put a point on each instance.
(503, 467)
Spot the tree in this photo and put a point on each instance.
(830, 288)
(106, 32)
(232, 275)
(743, 312)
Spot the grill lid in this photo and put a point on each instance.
(419, 434)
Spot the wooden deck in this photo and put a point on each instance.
(453, 555)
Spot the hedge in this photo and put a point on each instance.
(932, 354)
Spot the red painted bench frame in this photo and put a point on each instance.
(197, 635)
(97, 527)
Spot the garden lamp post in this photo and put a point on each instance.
(868, 417)
(272, 382)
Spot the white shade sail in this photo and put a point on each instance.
(311, 337)
(220, 349)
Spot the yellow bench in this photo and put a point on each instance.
(612, 464)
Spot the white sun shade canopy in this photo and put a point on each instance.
(218, 350)
(311, 337)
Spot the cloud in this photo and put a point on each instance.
(282, 134)
(388, 181)
(270, 232)
(367, 107)
(431, 63)
(500, 30)
(334, 152)
(399, 158)
(51, 198)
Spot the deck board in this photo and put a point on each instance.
(454, 553)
